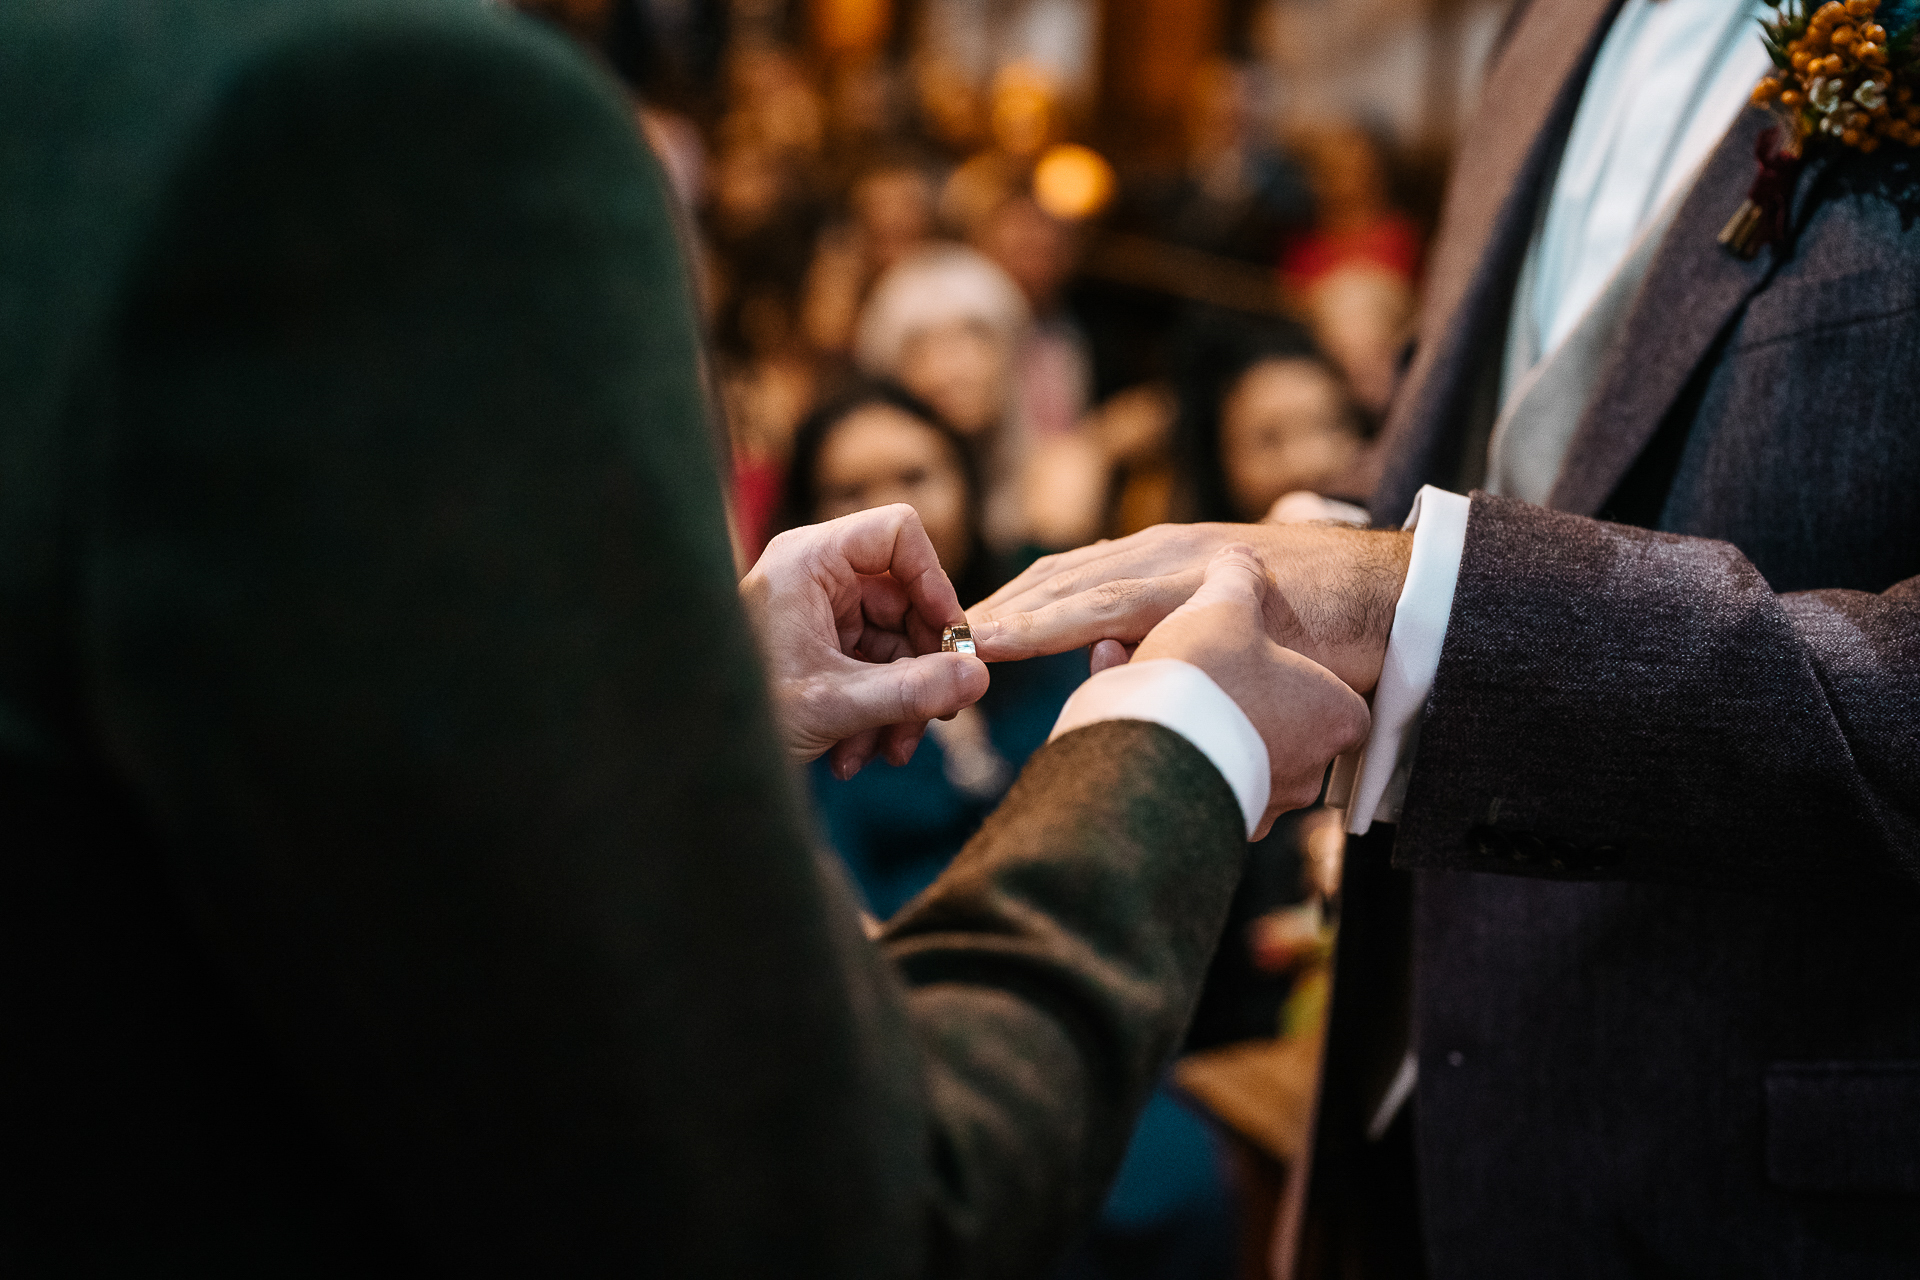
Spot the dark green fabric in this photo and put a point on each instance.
(398, 871)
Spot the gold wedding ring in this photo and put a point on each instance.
(957, 639)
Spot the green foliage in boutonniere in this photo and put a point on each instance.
(1847, 70)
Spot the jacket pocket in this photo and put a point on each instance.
(1844, 1126)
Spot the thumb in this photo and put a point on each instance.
(906, 690)
(1235, 576)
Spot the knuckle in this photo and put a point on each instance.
(1115, 596)
(909, 692)
(811, 702)
(1044, 566)
(1058, 586)
(924, 692)
(1359, 722)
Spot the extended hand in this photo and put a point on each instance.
(1333, 592)
(1305, 714)
(849, 615)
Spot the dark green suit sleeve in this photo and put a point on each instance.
(407, 614)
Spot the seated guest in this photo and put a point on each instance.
(898, 828)
(404, 873)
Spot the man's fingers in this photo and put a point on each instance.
(1323, 719)
(1235, 575)
(895, 743)
(890, 540)
(1305, 714)
(1124, 610)
(898, 742)
(887, 539)
(908, 691)
(850, 755)
(885, 622)
(1152, 553)
(885, 646)
(1108, 654)
(884, 710)
(883, 601)
(1039, 571)
(1067, 574)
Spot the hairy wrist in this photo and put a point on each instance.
(1339, 588)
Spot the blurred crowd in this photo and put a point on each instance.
(1114, 344)
(1111, 349)
(922, 282)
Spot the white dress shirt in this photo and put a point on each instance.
(1670, 79)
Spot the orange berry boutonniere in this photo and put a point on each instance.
(1844, 73)
(1839, 73)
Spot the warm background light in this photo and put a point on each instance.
(845, 27)
(1023, 110)
(1072, 182)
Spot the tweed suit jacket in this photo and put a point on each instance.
(398, 874)
(1663, 827)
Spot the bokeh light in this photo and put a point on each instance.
(1072, 182)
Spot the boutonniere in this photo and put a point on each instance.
(1841, 78)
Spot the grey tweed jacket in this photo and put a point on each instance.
(1664, 826)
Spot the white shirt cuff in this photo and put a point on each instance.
(1179, 695)
(1370, 784)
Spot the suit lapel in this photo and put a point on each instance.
(1691, 290)
(1526, 107)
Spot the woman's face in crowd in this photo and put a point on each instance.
(960, 369)
(1283, 427)
(879, 454)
